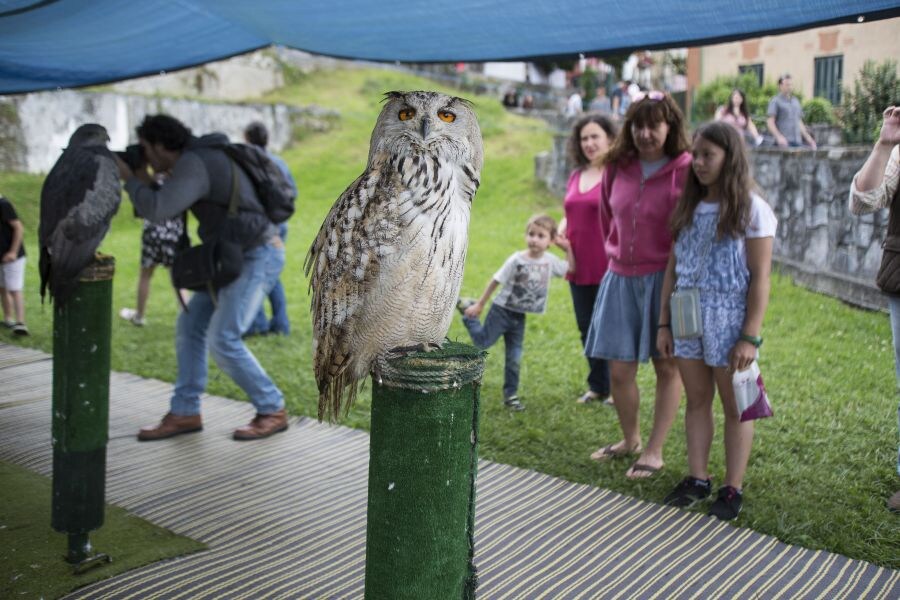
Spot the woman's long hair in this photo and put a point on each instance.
(743, 108)
(650, 111)
(735, 184)
(576, 154)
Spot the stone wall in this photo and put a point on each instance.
(34, 128)
(818, 243)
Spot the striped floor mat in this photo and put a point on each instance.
(285, 517)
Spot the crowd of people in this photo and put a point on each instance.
(668, 254)
(650, 216)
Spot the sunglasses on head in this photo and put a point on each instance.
(652, 95)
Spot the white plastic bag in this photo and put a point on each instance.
(750, 393)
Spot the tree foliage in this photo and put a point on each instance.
(876, 87)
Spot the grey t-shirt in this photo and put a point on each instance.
(788, 114)
(526, 281)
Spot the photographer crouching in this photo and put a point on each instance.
(232, 224)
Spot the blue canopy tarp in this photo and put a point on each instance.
(45, 44)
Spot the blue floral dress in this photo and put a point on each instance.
(719, 268)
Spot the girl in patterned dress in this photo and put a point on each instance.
(723, 245)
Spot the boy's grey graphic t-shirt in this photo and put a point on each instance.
(526, 281)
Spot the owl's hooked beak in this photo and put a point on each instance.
(426, 127)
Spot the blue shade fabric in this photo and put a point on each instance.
(45, 44)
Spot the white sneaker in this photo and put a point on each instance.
(129, 314)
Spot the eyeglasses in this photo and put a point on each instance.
(652, 95)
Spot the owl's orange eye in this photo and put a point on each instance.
(446, 116)
(406, 114)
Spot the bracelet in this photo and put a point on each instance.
(663, 326)
(751, 339)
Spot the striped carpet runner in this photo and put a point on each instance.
(285, 517)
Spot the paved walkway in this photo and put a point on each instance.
(285, 517)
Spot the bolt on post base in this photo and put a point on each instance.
(81, 555)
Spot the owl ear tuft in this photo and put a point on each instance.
(392, 95)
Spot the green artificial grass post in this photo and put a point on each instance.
(422, 467)
(81, 365)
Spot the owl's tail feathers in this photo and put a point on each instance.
(44, 270)
(336, 395)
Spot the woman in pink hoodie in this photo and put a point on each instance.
(645, 173)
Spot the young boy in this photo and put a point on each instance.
(12, 268)
(525, 277)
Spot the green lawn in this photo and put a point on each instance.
(32, 554)
(820, 470)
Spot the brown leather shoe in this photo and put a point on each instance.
(262, 426)
(169, 426)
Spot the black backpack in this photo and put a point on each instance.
(274, 190)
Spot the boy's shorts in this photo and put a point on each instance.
(12, 275)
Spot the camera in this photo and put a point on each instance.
(133, 156)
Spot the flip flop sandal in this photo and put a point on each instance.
(608, 453)
(642, 468)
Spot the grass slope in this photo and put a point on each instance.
(820, 470)
(32, 554)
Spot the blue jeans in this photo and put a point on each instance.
(894, 305)
(219, 326)
(277, 299)
(509, 324)
(583, 298)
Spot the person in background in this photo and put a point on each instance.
(601, 102)
(574, 105)
(158, 247)
(723, 245)
(736, 114)
(257, 134)
(12, 268)
(645, 172)
(785, 117)
(588, 144)
(877, 186)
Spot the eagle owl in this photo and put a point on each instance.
(386, 266)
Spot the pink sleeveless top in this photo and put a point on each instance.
(583, 230)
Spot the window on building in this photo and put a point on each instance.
(756, 69)
(829, 77)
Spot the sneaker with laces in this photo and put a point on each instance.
(728, 503)
(130, 315)
(689, 492)
(513, 403)
(463, 303)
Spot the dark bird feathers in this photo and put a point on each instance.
(80, 196)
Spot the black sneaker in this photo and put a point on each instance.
(689, 492)
(728, 503)
(513, 403)
(463, 303)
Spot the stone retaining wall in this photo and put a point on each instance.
(34, 128)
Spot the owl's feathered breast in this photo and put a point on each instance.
(387, 263)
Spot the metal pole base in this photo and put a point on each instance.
(80, 554)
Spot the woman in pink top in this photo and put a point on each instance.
(737, 115)
(590, 139)
(645, 173)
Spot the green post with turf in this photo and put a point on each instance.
(422, 465)
(81, 364)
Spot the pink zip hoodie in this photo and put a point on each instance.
(634, 214)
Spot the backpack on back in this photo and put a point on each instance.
(275, 192)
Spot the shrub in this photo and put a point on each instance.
(818, 110)
(707, 98)
(876, 87)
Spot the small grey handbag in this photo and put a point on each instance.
(687, 321)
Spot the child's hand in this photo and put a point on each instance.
(664, 342)
(475, 310)
(563, 242)
(741, 356)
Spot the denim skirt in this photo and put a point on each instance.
(626, 312)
